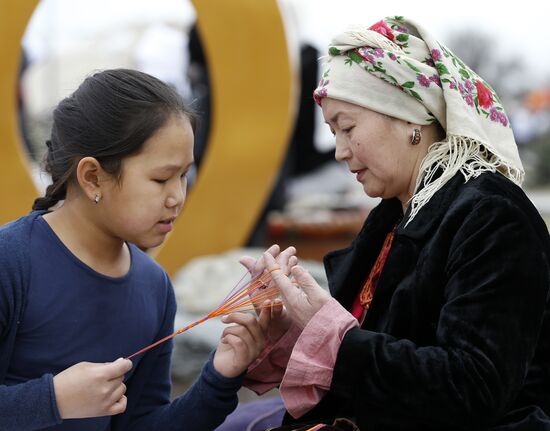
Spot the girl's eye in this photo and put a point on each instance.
(160, 181)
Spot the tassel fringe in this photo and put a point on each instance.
(454, 154)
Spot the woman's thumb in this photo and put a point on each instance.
(248, 262)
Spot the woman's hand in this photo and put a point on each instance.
(285, 259)
(90, 390)
(302, 296)
(280, 321)
(240, 344)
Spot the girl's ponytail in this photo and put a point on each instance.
(54, 194)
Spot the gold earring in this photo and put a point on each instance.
(416, 137)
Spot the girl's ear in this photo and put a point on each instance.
(88, 173)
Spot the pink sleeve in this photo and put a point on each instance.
(267, 371)
(309, 371)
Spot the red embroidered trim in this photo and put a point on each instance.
(367, 292)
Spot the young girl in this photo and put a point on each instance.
(75, 286)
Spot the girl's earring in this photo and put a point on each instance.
(416, 137)
(97, 198)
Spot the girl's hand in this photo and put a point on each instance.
(240, 344)
(280, 321)
(302, 296)
(89, 390)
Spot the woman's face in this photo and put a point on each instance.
(376, 148)
(143, 207)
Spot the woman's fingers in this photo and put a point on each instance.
(293, 261)
(248, 262)
(271, 251)
(254, 266)
(283, 259)
(305, 280)
(286, 288)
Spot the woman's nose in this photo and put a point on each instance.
(342, 150)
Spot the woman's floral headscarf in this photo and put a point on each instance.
(397, 68)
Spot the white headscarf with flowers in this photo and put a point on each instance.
(397, 68)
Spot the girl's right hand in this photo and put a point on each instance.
(90, 389)
(240, 344)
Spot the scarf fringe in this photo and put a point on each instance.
(454, 154)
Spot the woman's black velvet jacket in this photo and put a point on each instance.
(458, 334)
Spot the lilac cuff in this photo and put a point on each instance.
(266, 372)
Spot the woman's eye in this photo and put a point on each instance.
(347, 130)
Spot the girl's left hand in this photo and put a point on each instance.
(241, 344)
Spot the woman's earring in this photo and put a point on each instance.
(416, 137)
(97, 198)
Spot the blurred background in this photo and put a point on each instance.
(314, 203)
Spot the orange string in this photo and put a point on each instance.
(239, 300)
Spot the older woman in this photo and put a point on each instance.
(439, 316)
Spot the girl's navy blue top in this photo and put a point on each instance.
(56, 311)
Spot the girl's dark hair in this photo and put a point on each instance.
(109, 117)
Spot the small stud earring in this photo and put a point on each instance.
(97, 198)
(416, 137)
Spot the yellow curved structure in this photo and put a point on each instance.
(252, 112)
(17, 190)
(251, 81)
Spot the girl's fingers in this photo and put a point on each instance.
(276, 309)
(265, 317)
(239, 345)
(119, 406)
(238, 331)
(248, 323)
(118, 392)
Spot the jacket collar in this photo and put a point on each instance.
(347, 267)
(430, 215)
